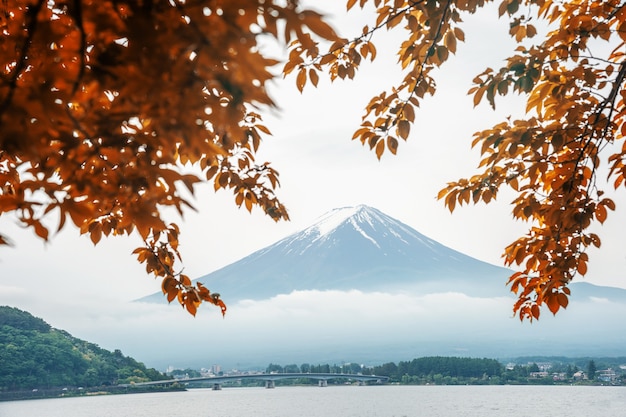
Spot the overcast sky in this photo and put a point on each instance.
(78, 287)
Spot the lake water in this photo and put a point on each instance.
(340, 401)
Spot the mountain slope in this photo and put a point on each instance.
(34, 355)
(355, 248)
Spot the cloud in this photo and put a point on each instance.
(328, 327)
(11, 291)
(316, 323)
(599, 300)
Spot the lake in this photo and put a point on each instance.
(340, 401)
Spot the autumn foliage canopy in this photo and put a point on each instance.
(111, 111)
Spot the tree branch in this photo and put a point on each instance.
(31, 14)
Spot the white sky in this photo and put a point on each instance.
(73, 285)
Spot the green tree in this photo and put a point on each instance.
(389, 369)
(291, 368)
(591, 370)
(187, 372)
(272, 367)
(352, 368)
(35, 355)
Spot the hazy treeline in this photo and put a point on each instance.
(459, 370)
(449, 366)
(446, 366)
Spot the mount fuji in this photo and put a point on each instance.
(355, 248)
(361, 248)
(359, 284)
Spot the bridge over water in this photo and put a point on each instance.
(270, 379)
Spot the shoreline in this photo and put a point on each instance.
(90, 392)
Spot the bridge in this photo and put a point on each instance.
(270, 379)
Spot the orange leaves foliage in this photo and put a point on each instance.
(431, 35)
(102, 103)
(551, 159)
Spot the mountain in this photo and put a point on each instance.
(36, 356)
(355, 248)
(359, 284)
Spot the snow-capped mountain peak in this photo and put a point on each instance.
(355, 248)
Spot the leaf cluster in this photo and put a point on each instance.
(550, 158)
(112, 111)
(432, 32)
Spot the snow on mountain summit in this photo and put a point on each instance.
(367, 222)
(329, 222)
(355, 248)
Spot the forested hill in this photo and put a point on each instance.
(34, 355)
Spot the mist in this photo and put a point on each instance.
(332, 327)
